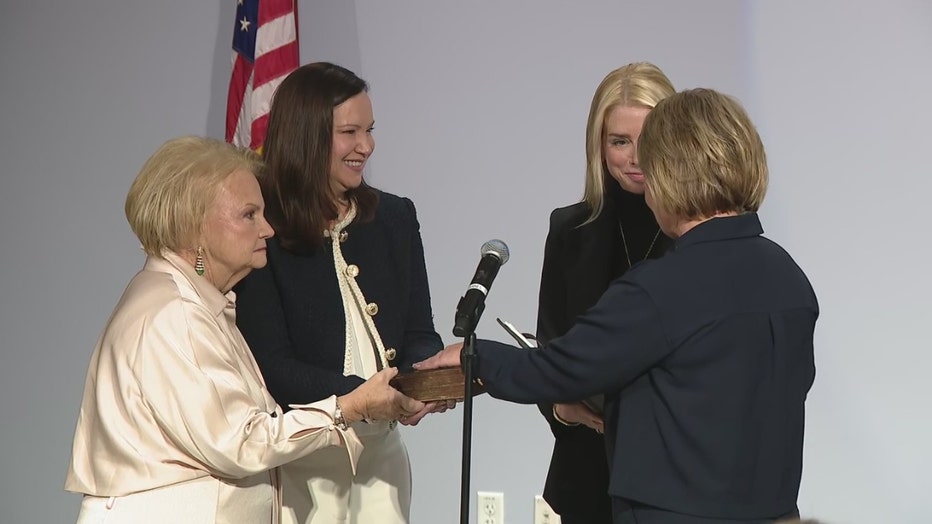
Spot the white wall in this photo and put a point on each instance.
(480, 114)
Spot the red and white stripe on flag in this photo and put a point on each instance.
(265, 50)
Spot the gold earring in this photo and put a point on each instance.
(199, 261)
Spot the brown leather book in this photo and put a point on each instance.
(435, 384)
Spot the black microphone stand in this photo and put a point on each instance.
(465, 326)
(467, 355)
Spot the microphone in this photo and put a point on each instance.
(472, 304)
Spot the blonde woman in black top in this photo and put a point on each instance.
(591, 243)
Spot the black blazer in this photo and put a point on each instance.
(291, 311)
(580, 261)
(706, 356)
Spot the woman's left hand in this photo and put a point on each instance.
(438, 406)
(578, 413)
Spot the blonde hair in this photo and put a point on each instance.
(167, 204)
(640, 84)
(701, 155)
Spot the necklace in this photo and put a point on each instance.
(625, 242)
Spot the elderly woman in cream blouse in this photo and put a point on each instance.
(176, 424)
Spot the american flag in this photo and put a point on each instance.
(265, 50)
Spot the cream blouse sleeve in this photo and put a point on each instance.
(203, 392)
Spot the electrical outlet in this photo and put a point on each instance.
(491, 507)
(543, 513)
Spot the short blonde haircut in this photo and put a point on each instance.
(167, 204)
(701, 155)
(640, 84)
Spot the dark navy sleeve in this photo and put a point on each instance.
(616, 341)
(420, 339)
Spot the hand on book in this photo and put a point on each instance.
(437, 379)
(447, 357)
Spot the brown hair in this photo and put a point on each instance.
(298, 143)
(701, 155)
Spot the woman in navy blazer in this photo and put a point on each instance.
(591, 243)
(344, 293)
(705, 356)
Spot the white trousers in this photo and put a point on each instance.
(321, 488)
(193, 502)
(204, 500)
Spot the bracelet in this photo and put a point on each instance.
(560, 420)
(338, 419)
